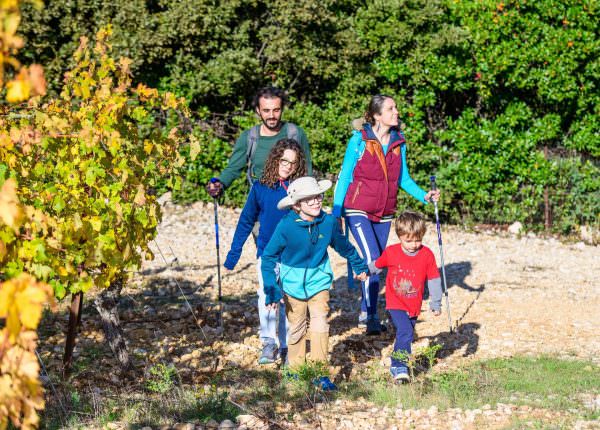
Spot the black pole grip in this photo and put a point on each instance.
(433, 184)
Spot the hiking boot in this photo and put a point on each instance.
(325, 384)
(373, 327)
(283, 353)
(268, 354)
(400, 375)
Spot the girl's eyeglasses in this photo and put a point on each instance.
(313, 200)
(287, 163)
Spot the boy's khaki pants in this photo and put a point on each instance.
(296, 311)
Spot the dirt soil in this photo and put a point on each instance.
(508, 296)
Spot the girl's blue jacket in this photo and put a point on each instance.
(260, 206)
(300, 247)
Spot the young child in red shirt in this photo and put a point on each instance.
(410, 265)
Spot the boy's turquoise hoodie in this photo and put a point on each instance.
(300, 247)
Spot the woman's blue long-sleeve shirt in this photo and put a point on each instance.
(260, 206)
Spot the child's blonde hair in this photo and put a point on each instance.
(410, 223)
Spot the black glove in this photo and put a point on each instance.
(214, 188)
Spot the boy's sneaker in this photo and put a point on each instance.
(268, 354)
(325, 384)
(400, 374)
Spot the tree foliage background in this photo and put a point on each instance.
(499, 99)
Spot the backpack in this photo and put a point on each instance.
(292, 133)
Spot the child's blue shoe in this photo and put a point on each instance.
(325, 384)
(400, 374)
(288, 375)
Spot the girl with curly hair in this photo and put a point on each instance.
(285, 163)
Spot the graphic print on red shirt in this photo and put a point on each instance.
(406, 277)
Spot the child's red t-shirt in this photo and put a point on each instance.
(406, 277)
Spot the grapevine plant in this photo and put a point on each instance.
(87, 163)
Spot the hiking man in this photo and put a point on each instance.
(253, 145)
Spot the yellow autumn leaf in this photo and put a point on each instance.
(10, 212)
(77, 224)
(17, 90)
(194, 147)
(13, 325)
(11, 23)
(9, 4)
(170, 101)
(140, 196)
(124, 64)
(30, 302)
(145, 92)
(96, 223)
(29, 366)
(5, 140)
(2, 250)
(148, 145)
(7, 290)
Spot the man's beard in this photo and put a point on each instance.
(276, 127)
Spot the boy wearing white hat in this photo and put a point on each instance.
(299, 244)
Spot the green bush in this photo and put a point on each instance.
(499, 99)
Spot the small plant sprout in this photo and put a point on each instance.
(424, 356)
(161, 378)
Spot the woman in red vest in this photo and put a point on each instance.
(366, 192)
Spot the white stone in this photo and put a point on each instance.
(515, 228)
(226, 424)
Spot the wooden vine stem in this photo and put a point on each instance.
(74, 323)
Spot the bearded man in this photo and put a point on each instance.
(253, 145)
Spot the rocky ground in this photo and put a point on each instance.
(508, 295)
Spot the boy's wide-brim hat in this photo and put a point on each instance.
(302, 188)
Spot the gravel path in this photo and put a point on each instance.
(509, 295)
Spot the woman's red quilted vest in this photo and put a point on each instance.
(374, 187)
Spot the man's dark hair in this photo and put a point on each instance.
(269, 93)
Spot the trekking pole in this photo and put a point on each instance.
(439, 234)
(351, 285)
(216, 206)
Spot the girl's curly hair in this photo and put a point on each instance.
(270, 175)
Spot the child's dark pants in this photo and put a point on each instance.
(405, 327)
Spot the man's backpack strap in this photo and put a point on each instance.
(253, 135)
(292, 131)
